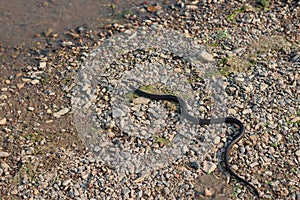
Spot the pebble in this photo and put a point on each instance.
(30, 108)
(217, 140)
(239, 79)
(208, 192)
(242, 150)
(4, 154)
(3, 121)
(263, 87)
(297, 153)
(191, 7)
(117, 113)
(166, 191)
(5, 166)
(35, 81)
(42, 65)
(30, 151)
(14, 192)
(67, 182)
(278, 137)
(247, 111)
(141, 100)
(231, 111)
(295, 119)
(194, 165)
(67, 43)
(254, 164)
(209, 167)
(206, 56)
(125, 191)
(61, 112)
(20, 85)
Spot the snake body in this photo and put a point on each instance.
(200, 121)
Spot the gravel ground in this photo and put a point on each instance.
(257, 52)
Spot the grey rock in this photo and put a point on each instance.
(117, 113)
(194, 165)
(125, 191)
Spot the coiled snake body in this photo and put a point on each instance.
(200, 121)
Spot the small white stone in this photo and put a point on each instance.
(35, 81)
(3, 97)
(14, 192)
(191, 7)
(67, 43)
(31, 108)
(49, 111)
(85, 175)
(247, 111)
(278, 137)
(217, 140)
(128, 32)
(254, 164)
(247, 89)
(3, 121)
(239, 80)
(5, 166)
(67, 182)
(296, 119)
(42, 65)
(209, 167)
(263, 87)
(206, 56)
(297, 153)
(30, 151)
(141, 100)
(61, 112)
(231, 111)
(4, 154)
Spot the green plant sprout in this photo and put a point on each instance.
(232, 16)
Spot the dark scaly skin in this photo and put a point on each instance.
(186, 115)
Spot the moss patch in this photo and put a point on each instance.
(268, 43)
(263, 3)
(264, 45)
(161, 140)
(234, 64)
(233, 15)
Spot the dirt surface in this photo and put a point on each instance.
(21, 21)
(60, 34)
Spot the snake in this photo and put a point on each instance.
(199, 121)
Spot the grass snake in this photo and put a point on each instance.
(199, 121)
